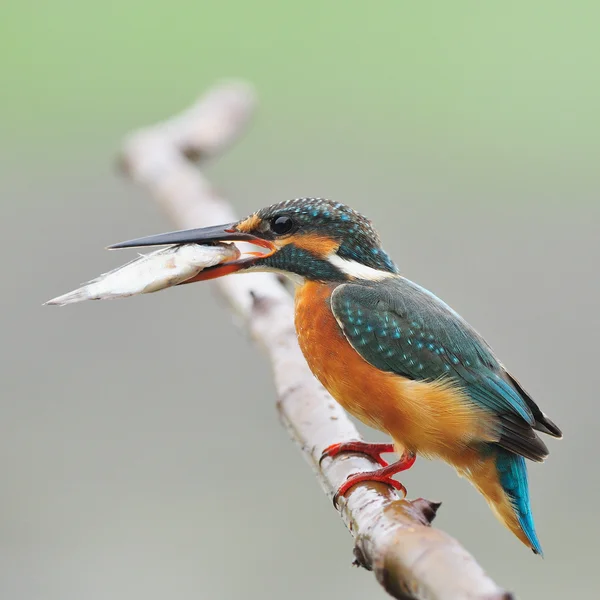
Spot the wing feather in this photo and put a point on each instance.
(400, 327)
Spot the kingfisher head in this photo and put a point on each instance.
(305, 238)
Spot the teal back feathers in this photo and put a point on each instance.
(401, 327)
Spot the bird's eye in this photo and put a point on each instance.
(281, 225)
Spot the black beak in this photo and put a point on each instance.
(205, 235)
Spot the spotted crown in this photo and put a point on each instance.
(358, 239)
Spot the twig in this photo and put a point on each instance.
(392, 537)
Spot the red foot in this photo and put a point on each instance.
(373, 450)
(383, 475)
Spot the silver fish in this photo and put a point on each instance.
(151, 272)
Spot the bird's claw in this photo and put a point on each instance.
(374, 451)
(383, 475)
(368, 476)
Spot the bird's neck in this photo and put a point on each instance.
(337, 267)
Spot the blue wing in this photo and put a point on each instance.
(400, 327)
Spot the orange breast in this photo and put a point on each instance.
(433, 418)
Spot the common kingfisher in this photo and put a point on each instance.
(392, 353)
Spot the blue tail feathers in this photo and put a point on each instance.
(512, 472)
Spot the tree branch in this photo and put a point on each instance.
(392, 537)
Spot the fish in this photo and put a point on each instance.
(151, 272)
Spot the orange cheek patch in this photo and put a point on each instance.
(315, 244)
(249, 225)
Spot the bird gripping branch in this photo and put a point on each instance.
(391, 353)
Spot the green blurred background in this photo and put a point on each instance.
(140, 451)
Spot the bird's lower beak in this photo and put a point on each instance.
(207, 235)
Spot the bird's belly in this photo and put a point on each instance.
(345, 375)
(430, 417)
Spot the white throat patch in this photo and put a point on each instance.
(357, 270)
